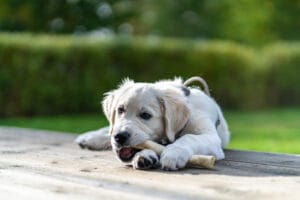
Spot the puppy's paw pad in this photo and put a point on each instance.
(145, 159)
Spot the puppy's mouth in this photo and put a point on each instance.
(126, 153)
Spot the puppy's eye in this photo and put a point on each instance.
(121, 110)
(145, 115)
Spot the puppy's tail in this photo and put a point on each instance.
(199, 80)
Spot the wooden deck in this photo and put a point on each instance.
(47, 165)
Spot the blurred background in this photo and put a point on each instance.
(57, 58)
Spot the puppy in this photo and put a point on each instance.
(185, 119)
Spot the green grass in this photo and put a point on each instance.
(70, 123)
(269, 130)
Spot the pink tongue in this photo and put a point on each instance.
(126, 152)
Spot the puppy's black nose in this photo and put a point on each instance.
(122, 137)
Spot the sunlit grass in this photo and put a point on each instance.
(271, 130)
(268, 130)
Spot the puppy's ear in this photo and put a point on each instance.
(109, 102)
(175, 112)
(108, 106)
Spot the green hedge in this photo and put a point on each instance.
(40, 74)
(283, 63)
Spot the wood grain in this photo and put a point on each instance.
(47, 165)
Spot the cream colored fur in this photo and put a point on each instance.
(187, 121)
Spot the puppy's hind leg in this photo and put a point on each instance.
(95, 140)
(223, 131)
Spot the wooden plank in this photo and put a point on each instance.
(47, 165)
(284, 160)
(247, 163)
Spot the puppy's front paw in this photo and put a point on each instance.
(145, 159)
(174, 158)
(94, 140)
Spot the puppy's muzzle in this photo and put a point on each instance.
(124, 152)
(122, 137)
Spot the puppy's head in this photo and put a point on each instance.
(139, 111)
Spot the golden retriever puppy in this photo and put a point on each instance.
(185, 119)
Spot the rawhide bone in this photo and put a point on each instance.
(195, 160)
